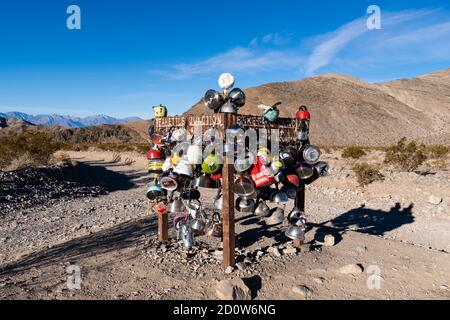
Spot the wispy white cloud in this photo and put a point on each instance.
(410, 36)
(277, 39)
(334, 42)
(235, 60)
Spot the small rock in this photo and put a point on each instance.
(329, 241)
(443, 287)
(434, 200)
(301, 290)
(240, 266)
(233, 290)
(229, 270)
(290, 251)
(353, 269)
(276, 252)
(319, 280)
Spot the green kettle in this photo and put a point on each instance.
(212, 164)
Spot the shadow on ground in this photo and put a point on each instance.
(123, 236)
(362, 219)
(99, 175)
(375, 222)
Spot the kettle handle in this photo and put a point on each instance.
(216, 217)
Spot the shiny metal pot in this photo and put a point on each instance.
(237, 96)
(262, 210)
(276, 218)
(245, 205)
(295, 233)
(213, 100)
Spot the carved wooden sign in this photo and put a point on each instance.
(286, 126)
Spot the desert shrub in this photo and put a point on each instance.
(437, 152)
(353, 152)
(116, 158)
(128, 161)
(27, 149)
(141, 148)
(439, 164)
(366, 173)
(405, 156)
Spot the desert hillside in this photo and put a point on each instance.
(95, 134)
(347, 110)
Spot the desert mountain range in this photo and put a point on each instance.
(347, 110)
(66, 121)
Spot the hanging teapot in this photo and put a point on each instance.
(176, 206)
(276, 218)
(304, 171)
(212, 164)
(261, 175)
(303, 114)
(237, 96)
(245, 205)
(185, 235)
(213, 100)
(272, 114)
(214, 228)
(322, 168)
(197, 226)
(195, 154)
(183, 168)
(193, 208)
(262, 210)
(155, 192)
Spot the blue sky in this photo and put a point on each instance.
(130, 55)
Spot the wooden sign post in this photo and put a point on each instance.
(223, 122)
(163, 227)
(228, 204)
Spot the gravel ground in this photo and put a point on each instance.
(113, 240)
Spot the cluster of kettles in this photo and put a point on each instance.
(179, 165)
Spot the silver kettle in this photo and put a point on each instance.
(262, 210)
(296, 232)
(185, 236)
(197, 226)
(245, 205)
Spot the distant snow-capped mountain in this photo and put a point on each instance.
(67, 121)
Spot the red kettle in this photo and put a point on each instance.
(260, 175)
(303, 113)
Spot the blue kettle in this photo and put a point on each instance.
(272, 114)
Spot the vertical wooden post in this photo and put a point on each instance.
(300, 204)
(163, 227)
(228, 204)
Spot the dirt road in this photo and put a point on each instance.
(392, 230)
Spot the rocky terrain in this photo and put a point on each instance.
(397, 228)
(26, 188)
(349, 111)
